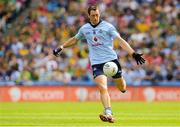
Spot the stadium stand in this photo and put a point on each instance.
(26, 41)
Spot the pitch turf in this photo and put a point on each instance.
(85, 114)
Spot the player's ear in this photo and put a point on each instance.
(88, 14)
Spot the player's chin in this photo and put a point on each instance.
(95, 22)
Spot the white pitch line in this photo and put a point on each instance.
(86, 114)
(52, 125)
(122, 115)
(87, 117)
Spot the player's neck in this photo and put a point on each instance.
(94, 25)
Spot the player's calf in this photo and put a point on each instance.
(121, 84)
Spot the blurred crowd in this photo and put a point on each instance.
(9, 10)
(151, 27)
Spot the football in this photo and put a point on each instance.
(110, 69)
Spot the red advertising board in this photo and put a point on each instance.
(84, 93)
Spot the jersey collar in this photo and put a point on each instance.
(96, 24)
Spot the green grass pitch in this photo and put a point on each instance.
(85, 114)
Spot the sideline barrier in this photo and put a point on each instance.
(86, 93)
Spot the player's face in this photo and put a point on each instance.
(94, 16)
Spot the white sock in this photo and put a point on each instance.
(108, 111)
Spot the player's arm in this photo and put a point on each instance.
(72, 41)
(138, 57)
(127, 47)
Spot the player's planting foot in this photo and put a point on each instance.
(107, 118)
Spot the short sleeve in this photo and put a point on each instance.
(80, 35)
(113, 32)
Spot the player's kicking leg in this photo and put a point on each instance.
(119, 80)
(101, 82)
(121, 84)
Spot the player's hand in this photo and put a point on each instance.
(57, 51)
(138, 58)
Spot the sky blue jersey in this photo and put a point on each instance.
(100, 41)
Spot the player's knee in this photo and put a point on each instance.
(102, 88)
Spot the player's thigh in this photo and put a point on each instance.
(99, 77)
(101, 81)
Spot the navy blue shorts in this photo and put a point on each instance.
(98, 69)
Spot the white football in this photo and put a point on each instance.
(110, 69)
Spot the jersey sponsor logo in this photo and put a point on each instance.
(96, 41)
(96, 44)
